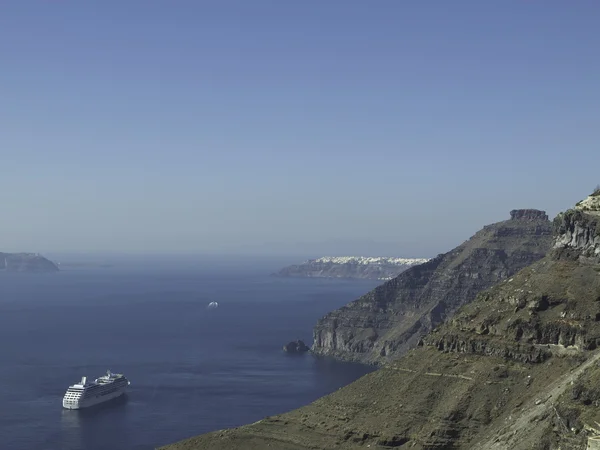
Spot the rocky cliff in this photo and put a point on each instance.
(365, 267)
(579, 231)
(25, 262)
(517, 368)
(386, 322)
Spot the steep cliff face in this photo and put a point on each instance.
(26, 262)
(363, 267)
(579, 233)
(517, 368)
(386, 322)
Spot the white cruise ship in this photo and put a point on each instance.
(85, 394)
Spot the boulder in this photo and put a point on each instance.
(297, 346)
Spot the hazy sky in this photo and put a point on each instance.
(213, 126)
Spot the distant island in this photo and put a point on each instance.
(26, 262)
(363, 267)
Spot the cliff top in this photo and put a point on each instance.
(528, 214)
(367, 260)
(591, 204)
(357, 267)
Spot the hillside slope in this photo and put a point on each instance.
(383, 324)
(515, 369)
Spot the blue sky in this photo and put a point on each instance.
(280, 126)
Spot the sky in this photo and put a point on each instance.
(345, 126)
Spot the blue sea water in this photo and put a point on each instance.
(192, 369)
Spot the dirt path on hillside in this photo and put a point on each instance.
(517, 432)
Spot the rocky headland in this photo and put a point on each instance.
(384, 323)
(25, 262)
(362, 267)
(517, 368)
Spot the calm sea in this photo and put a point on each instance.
(192, 370)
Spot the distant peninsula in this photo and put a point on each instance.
(362, 267)
(25, 262)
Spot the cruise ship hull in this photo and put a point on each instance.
(85, 394)
(86, 403)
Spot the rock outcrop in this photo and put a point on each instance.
(386, 322)
(26, 262)
(591, 204)
(579, 234)
(528, 214)
(517, 368)
(363, 267)
(296, 347)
